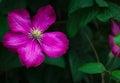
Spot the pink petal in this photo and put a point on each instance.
(114, 48)
(54, 44)
(30, 54)
(19, 21)
(44, 18)
(13, 40)
(115, 28)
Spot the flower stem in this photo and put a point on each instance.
(108, 61)
(102, 78)
(96, 55)
(110, 80)
(115, 60)
(117, 81)
(95, 52)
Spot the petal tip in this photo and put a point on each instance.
(44, 18)
(55, 44)
(115, 27)
(19, 20)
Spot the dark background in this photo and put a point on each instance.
(76, 18)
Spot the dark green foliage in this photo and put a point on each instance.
(116, 75)
(9, 5)
(117, 40)
(4, 26)
(58, 61)
(102, 3)
(92, 68)
(84, 22)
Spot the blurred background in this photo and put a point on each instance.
(81, 21)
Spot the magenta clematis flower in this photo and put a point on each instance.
(115, 31)
(29, 39)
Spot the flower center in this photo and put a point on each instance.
(36, 33)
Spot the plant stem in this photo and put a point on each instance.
(108, 61)
(110, 80)
(96, 55)
(95, 52)
(115, 60)
(102, 78)
(117, 81)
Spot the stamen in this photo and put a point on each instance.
(36, 33)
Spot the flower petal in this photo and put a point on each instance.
(30, 54)
(19, 21)
(13, 40)
(114, 48)
(115, 28)
(54, 44)
(44, 18)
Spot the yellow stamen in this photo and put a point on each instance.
(36, 33)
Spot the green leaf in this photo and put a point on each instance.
(87, 15)
(78, 59)
(117, 63)
(116, 75)
(112, 11)
(56, 61)
(77, 4)
(74, 64)
(92, 68)
(80, 19)
(101, 3)
(73, 25)
(0, 1)
(104, 15)
(117, 39)
(115, 9)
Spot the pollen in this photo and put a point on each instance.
(36, 33)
